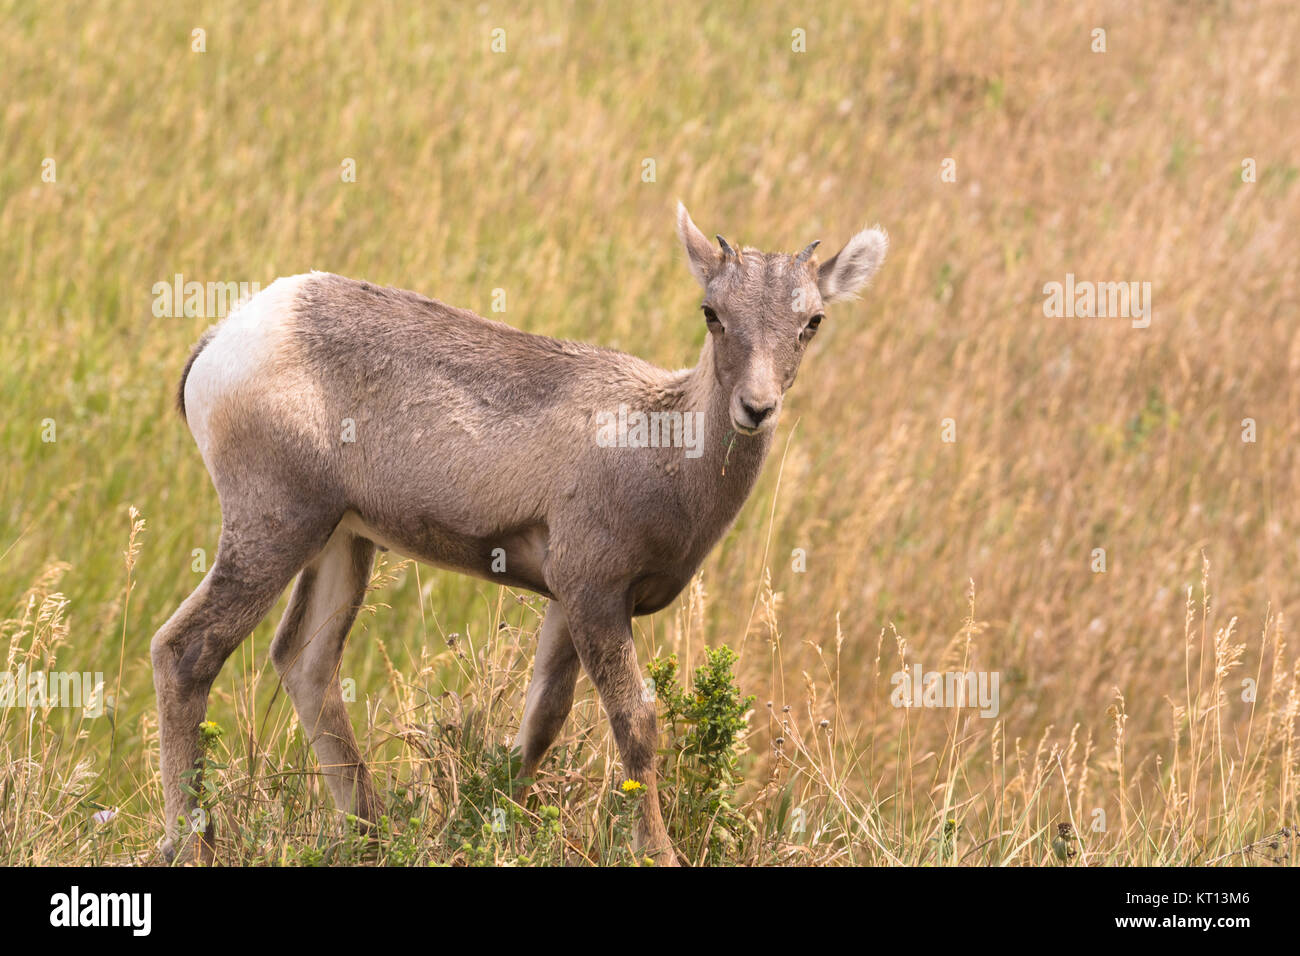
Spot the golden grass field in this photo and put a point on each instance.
(1127, 691)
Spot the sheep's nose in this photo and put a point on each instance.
(756, 414)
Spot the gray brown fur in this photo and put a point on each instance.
(472, 436)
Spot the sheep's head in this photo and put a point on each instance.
(763, 308)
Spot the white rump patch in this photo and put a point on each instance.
(243, 344)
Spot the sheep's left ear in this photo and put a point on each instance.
(846, 272)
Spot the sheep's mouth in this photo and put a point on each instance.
(745, 429)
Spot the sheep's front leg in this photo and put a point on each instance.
(602, 634)
(550, 694)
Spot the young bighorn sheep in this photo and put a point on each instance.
(335, 416)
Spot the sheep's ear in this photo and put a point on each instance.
(700, 254)
(845, 273)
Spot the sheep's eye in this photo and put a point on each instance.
(815, 321)
(711, 317)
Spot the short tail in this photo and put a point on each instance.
(199, 346)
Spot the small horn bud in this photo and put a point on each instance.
(808, 251)
(726, 249)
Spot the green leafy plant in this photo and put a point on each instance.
(485, 814)
(700, 764)
(201, 783)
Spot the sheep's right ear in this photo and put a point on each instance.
(700, 254)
